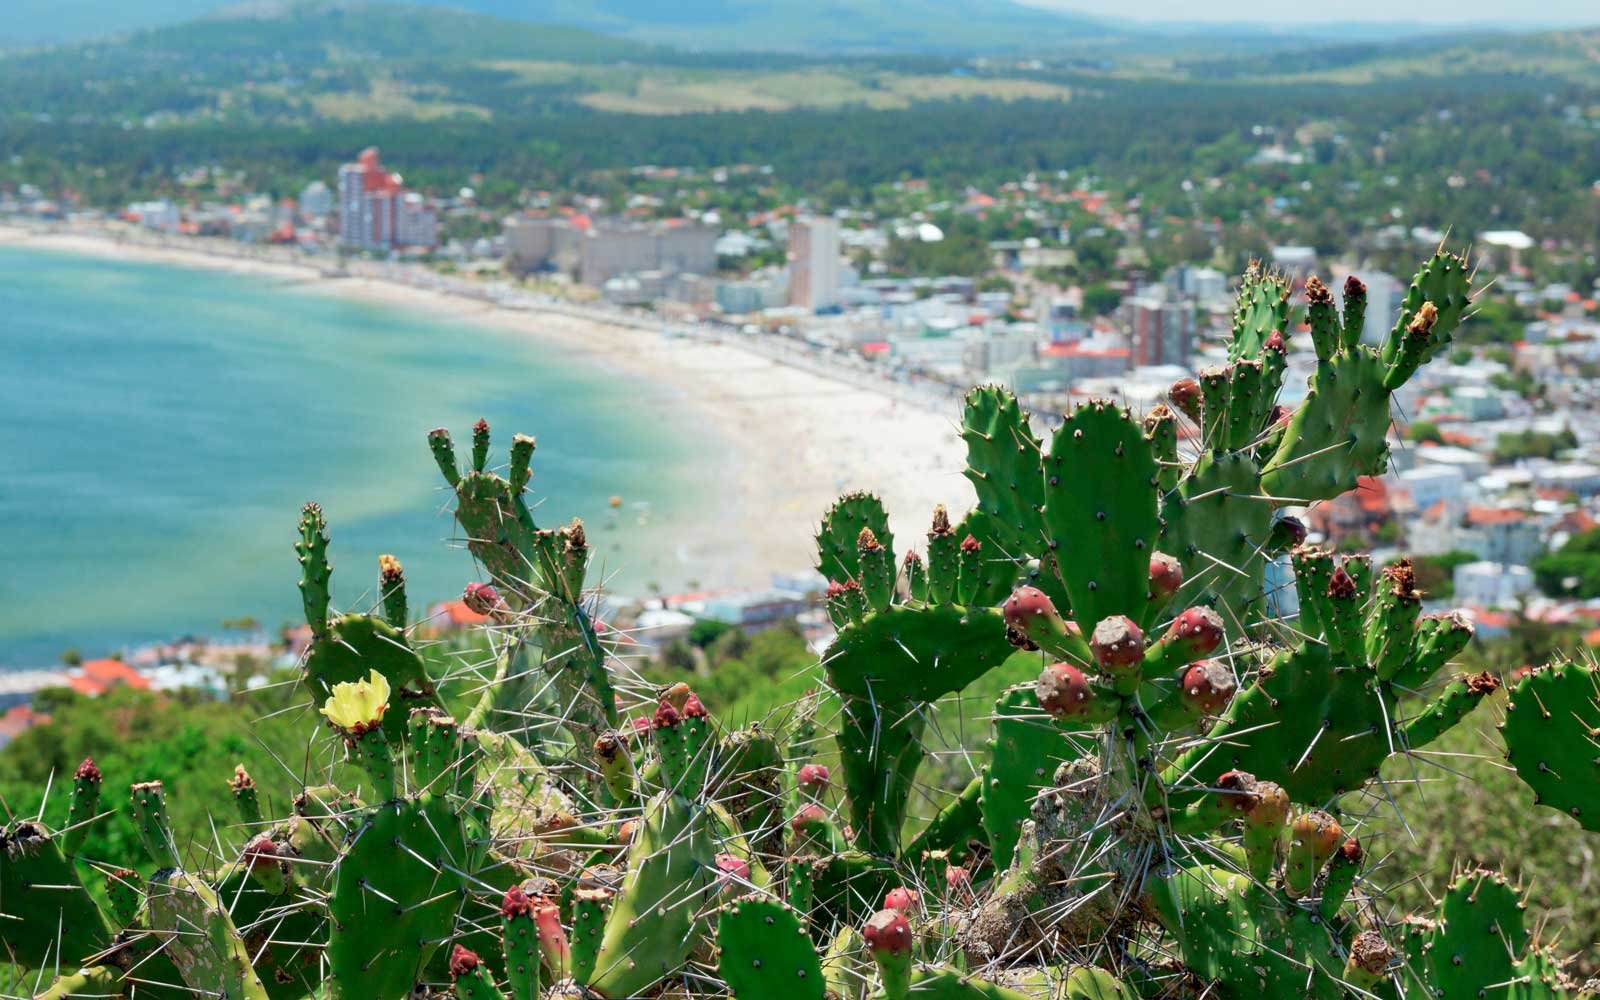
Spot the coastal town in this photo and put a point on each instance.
(1494, 490)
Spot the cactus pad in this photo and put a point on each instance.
(763, 950)
(1552, 734)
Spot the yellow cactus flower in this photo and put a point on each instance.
(357, 707)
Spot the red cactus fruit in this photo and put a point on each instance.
(1351, 851)
(835, 589)
(970, 544)
(641, 724)
(516, 903)
(1117, 643)
(888, 932)
(1279, 415)
(807, 818)
(666, 716)
(481, 598)
(87, 771)
(261, 851)
(1208, 686)
(1275, 342)
(692, 709)
(912, 559)
(732, 870)
(1062, 690)
(626, 831)
(1354, 287)
(958, 879)
(1025, 604)
(1341, 585)
(814, 777)
(1239, 790)
(1185, 395)
(463, 961)
(1166, 575)
(1320, 830)
(1317, 293)
(1199, 629)
(907, 901)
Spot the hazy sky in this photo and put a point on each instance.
(1444, 13)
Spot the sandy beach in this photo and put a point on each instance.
(798, 437)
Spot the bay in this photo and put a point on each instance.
(161, 426)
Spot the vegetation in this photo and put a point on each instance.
(1573, 570)
(520, 835)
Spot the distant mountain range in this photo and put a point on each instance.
(810, 26)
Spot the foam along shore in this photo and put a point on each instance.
(800, 430)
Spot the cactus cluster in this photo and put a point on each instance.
(1158, 812)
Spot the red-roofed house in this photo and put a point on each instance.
(96, 677)
(1365, 513)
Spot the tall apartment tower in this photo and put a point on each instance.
(1160, 327)
(814, 263)
(376, 212)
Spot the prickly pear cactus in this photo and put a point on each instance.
(1156, 812)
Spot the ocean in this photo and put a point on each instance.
(160, 428)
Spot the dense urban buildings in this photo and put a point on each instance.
(377, 211)
(595, 251)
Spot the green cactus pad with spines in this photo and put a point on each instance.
(763, 950)
(883, 669)
(1088, 983)
(40, 894)
(1474, 947)
(1100, 511)
(1215, 384)
(838, 538)
(1262, 307)
(1392, 620)
(1438, 640)
(1448, 707)
(651, 927)
(356, 645)
(394, 896)
(1445, 280)
(151, 819)
(950, 984)
(1244, 399)
(312, 550)
(95, 981)
(1538, 977)
(875, 571)
(1250, 941)
(1279, 715)
(1552, 734)
(957, 822)
(1161, 427)
(1004, 458)
(200, 937)
(1024, 751)
(588, 924)
(1336, 436)
(1217, 525)
(279, 931)
(986, 576)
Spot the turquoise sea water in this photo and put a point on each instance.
(161, 426)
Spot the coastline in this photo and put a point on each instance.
(789, 436)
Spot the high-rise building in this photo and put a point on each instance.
(814, 263)
(596, 250)
(1160, 327)
(316, 201)
(376, 212)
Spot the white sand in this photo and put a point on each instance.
(799, 438)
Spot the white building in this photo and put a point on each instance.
(1491, 584)
(814, 263)
(316, 201)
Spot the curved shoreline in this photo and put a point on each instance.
(797, 436)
